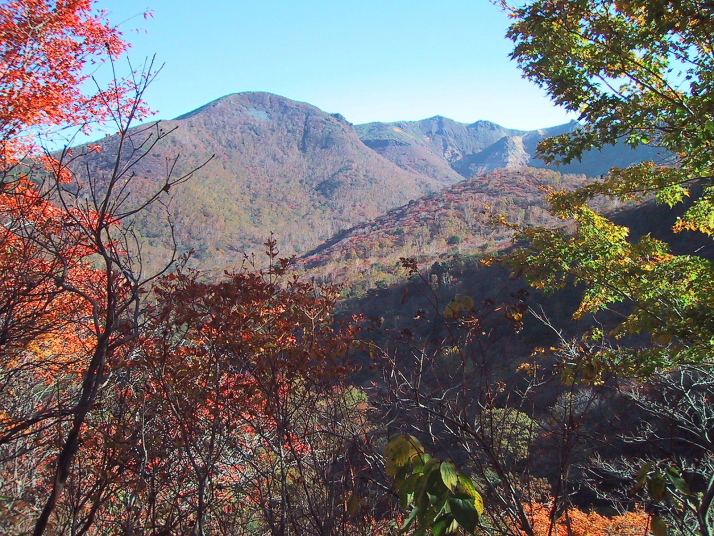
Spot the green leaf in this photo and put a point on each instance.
(657, 487)
(457, 305)
(354, 504)
(421, 462)
(643, 472)
(465, 512)
(400, 451)
(675, 477)
(480, 507)
(641, 478)
(658, 526)
(409, 520)
(449, 475)
(639, 486)
(467, 303)
(466, 488)
(451, 310)
(442, 498)
(443, 525)
(407, 490)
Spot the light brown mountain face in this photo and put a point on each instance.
(274, 165)
(432, 146)
(439, 147)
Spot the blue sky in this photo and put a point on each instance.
(369, 60)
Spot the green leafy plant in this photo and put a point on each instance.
(638, 71)
(441, 498)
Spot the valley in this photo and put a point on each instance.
(260, 319)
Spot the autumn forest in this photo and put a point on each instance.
(305, 327)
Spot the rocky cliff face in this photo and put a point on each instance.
(433, 146)
(439, 147)
(508, 152)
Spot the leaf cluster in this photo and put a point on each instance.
(638, 71)
(441, 497)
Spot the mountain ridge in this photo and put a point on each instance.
(273, 165)
(269, 164)
(439, 146)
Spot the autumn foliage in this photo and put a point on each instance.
(237, 379)
(134, 402)
(45, 49)
(170, 402)
(44, 328)
(69, 300)
(575, 522)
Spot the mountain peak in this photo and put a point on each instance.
(440, 118)
(258, 99)
(481, 123)
(270, 164)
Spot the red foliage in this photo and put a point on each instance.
(45, 49)
(229, 377)
(62, 321)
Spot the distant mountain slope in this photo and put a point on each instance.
(439, 147)
(457, 219)
(432, 146)
(279, 166)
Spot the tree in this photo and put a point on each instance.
(45, 49)
(230, 415)
(519, 434)
(71, 277)
(244, 379)
(671, 470)
(638, 71)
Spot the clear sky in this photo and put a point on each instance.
(370, 60)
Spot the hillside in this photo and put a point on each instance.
(267, 164)
(458, 220)
(441, 148)
(274, 165)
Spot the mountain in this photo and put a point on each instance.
(273, 165)
(454, 221)
(431, 146)
(266, 164)
(440, 147)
